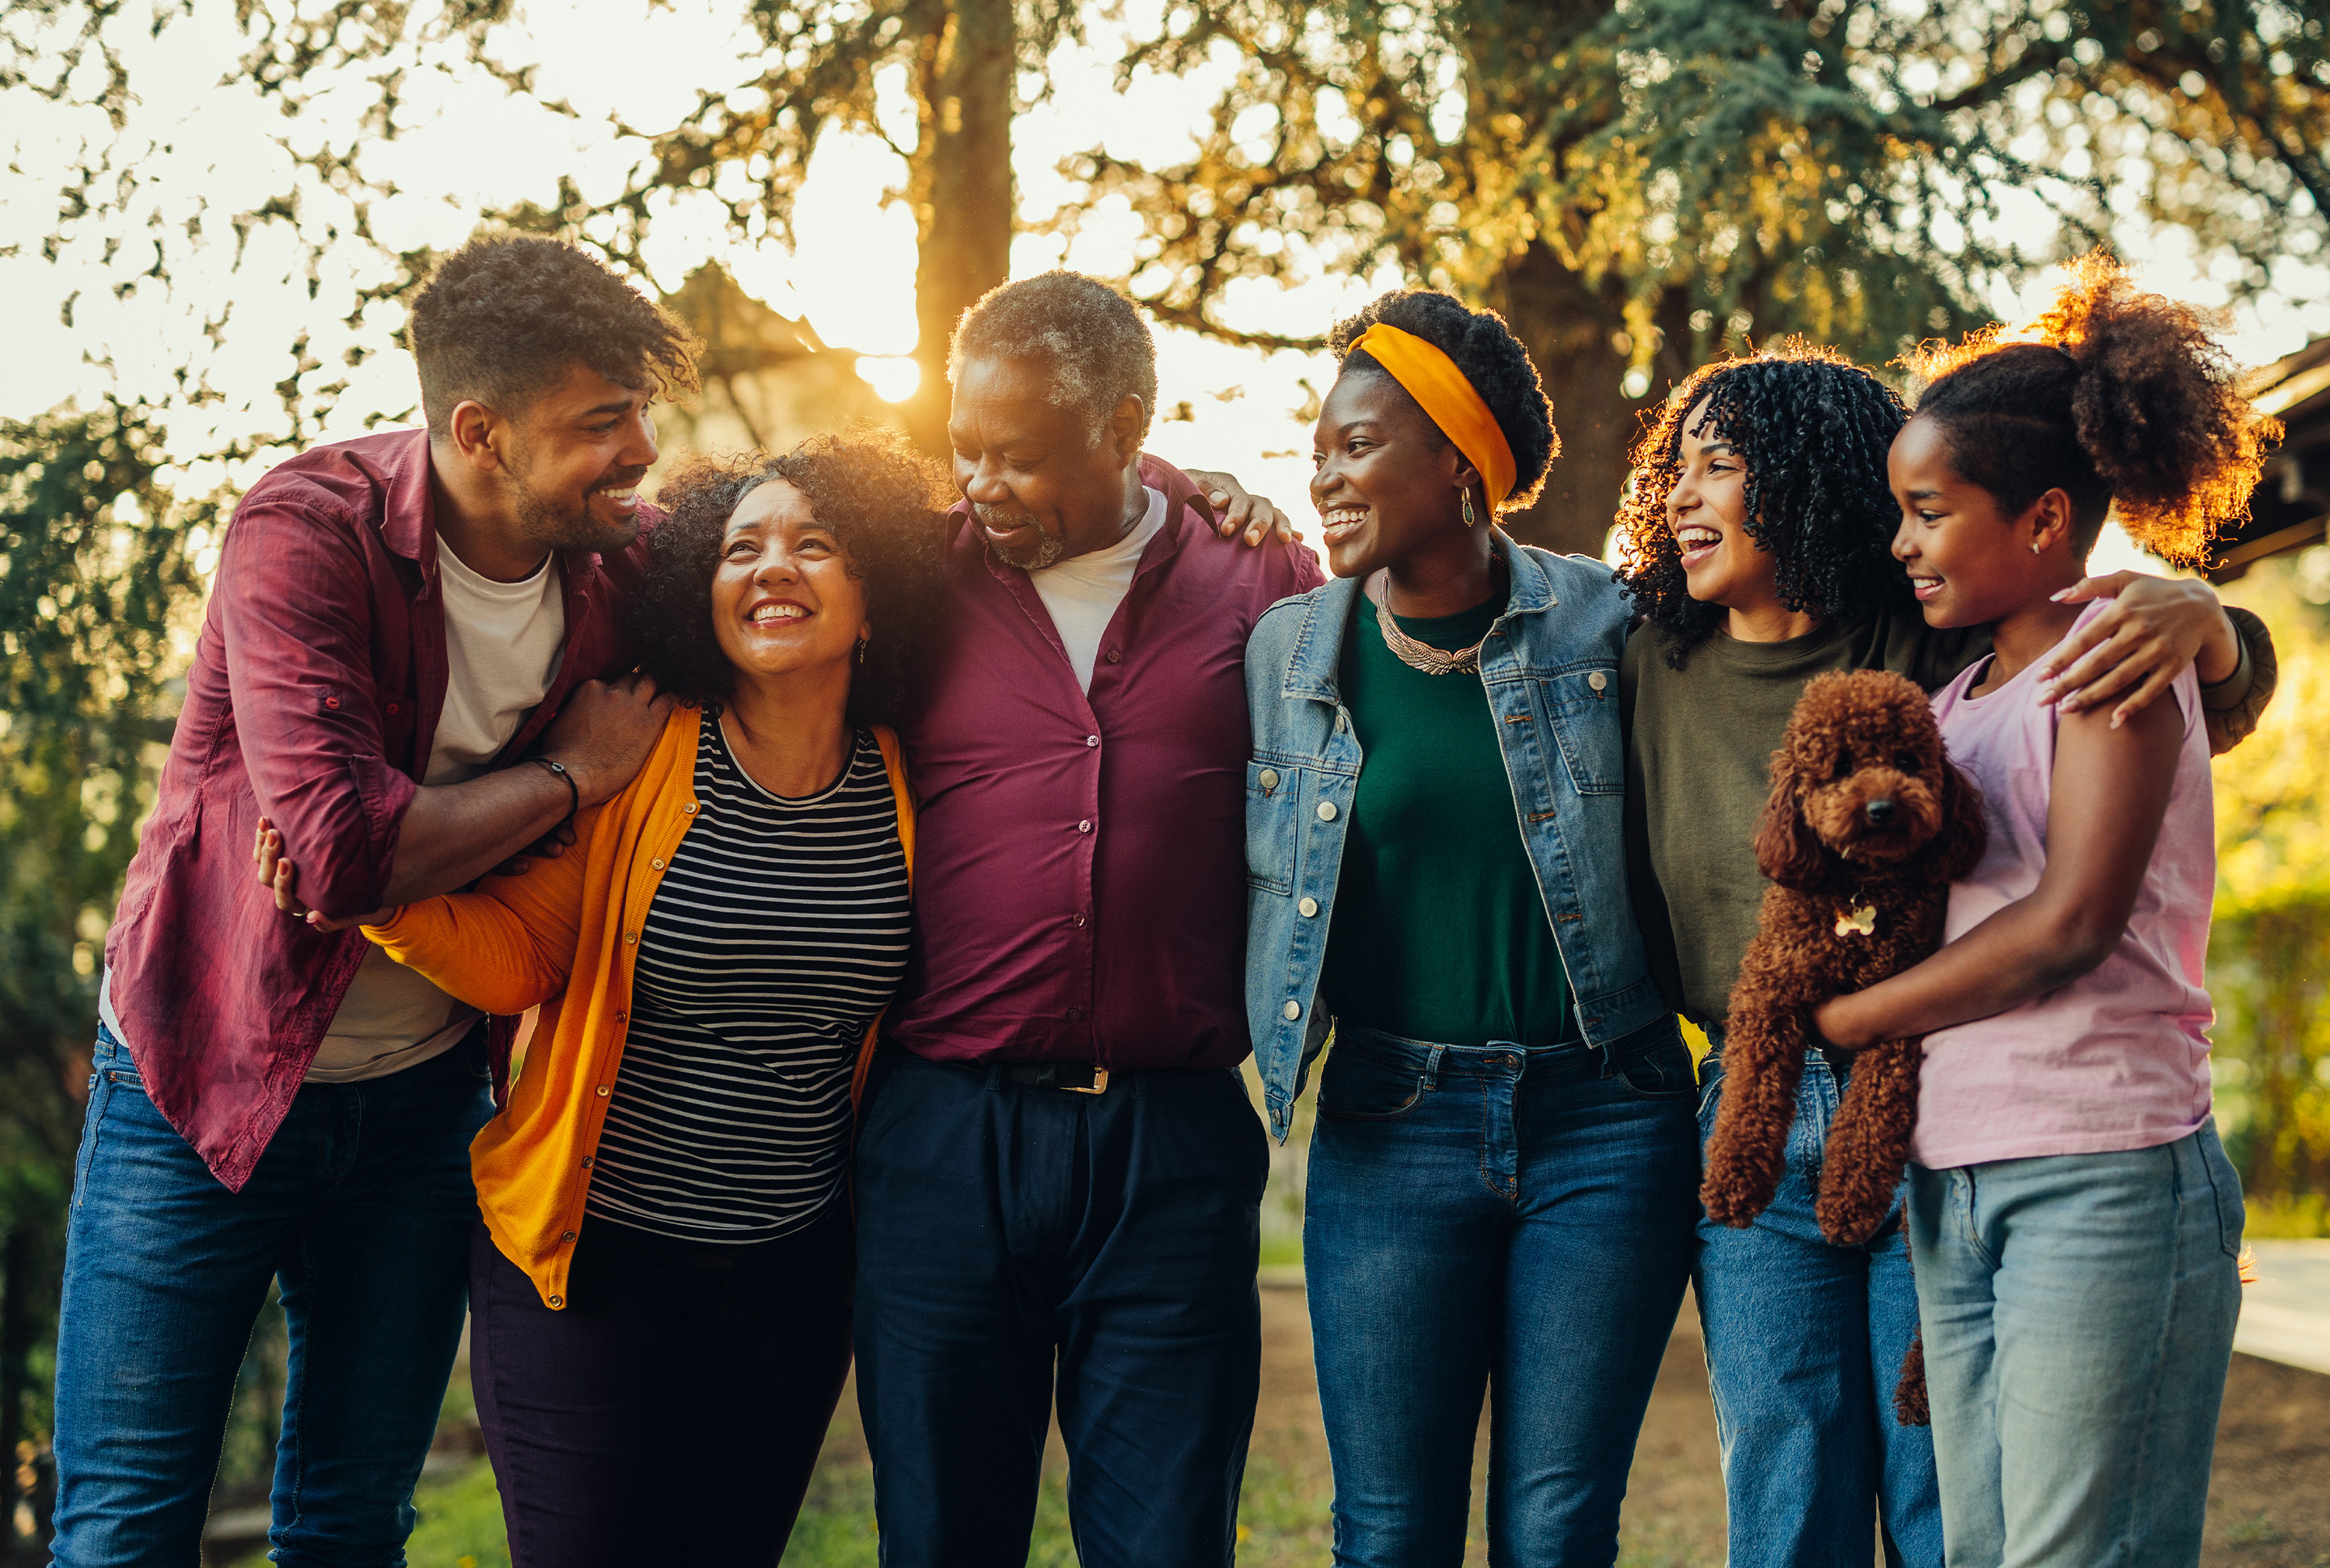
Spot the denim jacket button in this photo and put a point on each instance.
(1293, 1010)
(1308, 907)
(1597, 679)
(1326, 810)
(1267, 778)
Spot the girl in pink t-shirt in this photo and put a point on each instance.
(2072, 1218)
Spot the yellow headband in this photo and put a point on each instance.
(1448, 399)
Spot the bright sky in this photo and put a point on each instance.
(202, 144)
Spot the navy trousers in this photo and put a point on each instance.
(1018, 1244)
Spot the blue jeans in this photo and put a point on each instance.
(1494, 1218)
(361, 1205)
(2079, 1315)
(1804, 1344)
(1015, 1241)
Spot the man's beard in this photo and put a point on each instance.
(1048, 546)
(545, 520)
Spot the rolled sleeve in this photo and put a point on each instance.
(295, 610)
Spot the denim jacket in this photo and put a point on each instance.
(1551, 665)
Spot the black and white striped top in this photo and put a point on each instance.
(780, 930)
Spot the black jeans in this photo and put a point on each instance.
(1006, 1230)
(673, 1411)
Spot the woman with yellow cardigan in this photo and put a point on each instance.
(661, 1288)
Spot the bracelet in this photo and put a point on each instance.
(574, 790)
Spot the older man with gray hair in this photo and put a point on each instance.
(1059, 1171)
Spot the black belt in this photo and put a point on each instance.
(1083, 1076)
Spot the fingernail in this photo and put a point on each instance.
(2057, 595)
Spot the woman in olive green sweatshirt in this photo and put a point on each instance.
(1758, 541)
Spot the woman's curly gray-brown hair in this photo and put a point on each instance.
(877, 495)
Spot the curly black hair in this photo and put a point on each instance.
(1813, 428)
(878, 496)
(1489, 356)
(503, 316)
(2123, 399)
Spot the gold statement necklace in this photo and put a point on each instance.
(1424, 656)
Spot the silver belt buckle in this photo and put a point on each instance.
(1099, 1083)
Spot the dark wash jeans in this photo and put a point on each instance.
(361, 1205)
(1502, 1221)
(1014, 1242)
(672, 1412)
(1804, 1344)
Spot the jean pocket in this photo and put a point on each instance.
(1663, 1072)
(2225, 1188)
(1358, 1087)
(101, 1093)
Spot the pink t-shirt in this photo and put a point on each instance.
(2119, 1058)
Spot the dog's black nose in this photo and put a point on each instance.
(1878, 812)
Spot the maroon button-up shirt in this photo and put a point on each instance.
(1080, 861)
(313, 700)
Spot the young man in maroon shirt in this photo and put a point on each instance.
(1059, 1170)
(400, 627)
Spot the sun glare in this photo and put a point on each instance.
(892, 376)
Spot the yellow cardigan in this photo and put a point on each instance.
(565, 935)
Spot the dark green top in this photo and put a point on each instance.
(1440, 931)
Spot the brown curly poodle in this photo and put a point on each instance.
(1867, 826)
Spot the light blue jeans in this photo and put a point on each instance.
(2079, 1313)
(1804, 1344)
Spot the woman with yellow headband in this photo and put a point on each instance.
(1502, 1177)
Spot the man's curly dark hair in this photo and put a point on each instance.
(878, 496)
(502, 318)
(2123, 401)
(1488, 356)
(1813, 428)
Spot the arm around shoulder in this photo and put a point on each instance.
(2233, 707)
(507, 945)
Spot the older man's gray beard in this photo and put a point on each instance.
(1047, 550)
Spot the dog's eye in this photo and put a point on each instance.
(1908, 762)
(1843, 763)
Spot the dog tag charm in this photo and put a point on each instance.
(1860, 922)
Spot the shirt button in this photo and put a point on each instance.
(656, 864)
(1085, 826)
(689, 809)
(1293, 1010)
(1597, 679)
(392, 707)
(603, 1092)
(586, 1162)
(1308, 907)
(1115, 656)
(1267, 778)
(1326, 810)
(569, 1236)
(558, 1301)
(331, 702)
(1074, 1014)
(1092, 740)
(1342, 722)
(1076, 919)
(621, 1016)
(631, 935)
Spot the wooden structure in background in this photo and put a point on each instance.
(2291, 509)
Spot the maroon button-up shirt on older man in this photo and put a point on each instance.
(1080, 861)
(314, 699)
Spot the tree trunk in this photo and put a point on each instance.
(963, 193)
(1567, 328)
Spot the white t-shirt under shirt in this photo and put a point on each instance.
(1082, 593)
(503, 644)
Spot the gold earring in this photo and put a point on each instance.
(862, 642)
(1467, 494)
